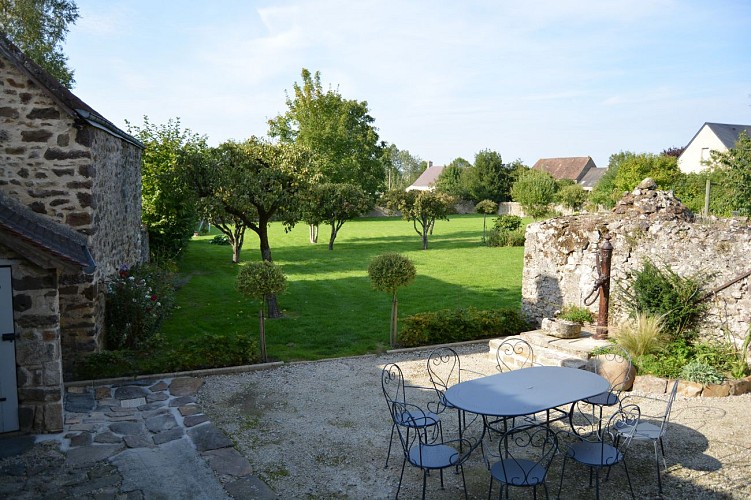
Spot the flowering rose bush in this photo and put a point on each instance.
(137, 301)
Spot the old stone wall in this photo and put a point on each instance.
(78, 175)
(560, 258)
(38, 353)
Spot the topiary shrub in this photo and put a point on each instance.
(259, 280)
(458, 325)
(387, 273)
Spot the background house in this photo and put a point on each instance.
(710, 137)
(70, 215)
(580, 169)
(427, 179)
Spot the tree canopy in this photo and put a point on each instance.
(489, 178)
(334, 204)
(423, 208)
(338, 131)
(401, 167)
(535, 191)
(256, 182)
(38, 28)
(169, 209)
(736, 161)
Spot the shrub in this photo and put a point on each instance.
(506, 232)
(703, 373)
(641, 335)
(136, 302)
(210, 351)
(576, 314)
(220, 239)
(457, 325)
(678, 300)
(390, 271)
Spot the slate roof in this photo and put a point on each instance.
(64, 97)
(427, 178)
(565, 168)
(25, 231)
(591, 177)
(727, 133)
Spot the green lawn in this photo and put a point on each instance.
(330, 307)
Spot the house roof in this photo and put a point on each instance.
(427, 178)
(42, 240)
(591, 177)
(74, 106)
(564, 168)
(727, 133)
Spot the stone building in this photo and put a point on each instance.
(70, 215)
(647, 224)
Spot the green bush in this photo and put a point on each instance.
(219, 239)
(701, 372)
(667, 363)
(390, 271)
(506, 232)
(678, 300)
(210, 351)
(136, 302)
(458, 325)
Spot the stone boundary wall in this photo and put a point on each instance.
(560, 259)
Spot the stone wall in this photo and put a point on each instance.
(560, 257)
(38, 354)
(78, 175)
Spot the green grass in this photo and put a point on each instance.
(330, 308)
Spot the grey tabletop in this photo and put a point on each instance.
(525, 391)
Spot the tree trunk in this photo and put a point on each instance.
(333, 237)
(262, 331)
(236, 252)
(263, 235)
(425, 240)
(392, 329)
(483, 227)
(313, 228)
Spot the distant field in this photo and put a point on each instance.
(330, 306)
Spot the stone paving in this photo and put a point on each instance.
(132, 440)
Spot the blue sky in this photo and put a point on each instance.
(443, 79)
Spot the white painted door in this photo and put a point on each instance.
(8, 390)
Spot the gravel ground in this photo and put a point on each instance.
(321, 430)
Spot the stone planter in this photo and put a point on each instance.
(562, 328)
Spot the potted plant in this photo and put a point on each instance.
(567, 323)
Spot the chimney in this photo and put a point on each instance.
(430, 164)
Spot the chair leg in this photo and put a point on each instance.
(424, 481)
(400, 479)
(464, 483)
(597, 483)
(490, 488)
(391, 440)
(657, 464)
(628, 477)
(563, 469)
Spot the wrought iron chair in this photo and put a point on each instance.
(514, 353)
(653, 428)
(525, 454)
(423, 445)
(445, 370)
(604, 449)
(394, 390)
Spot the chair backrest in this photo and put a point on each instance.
(392, 383)
(668, 408)
(619, 432)
(444, 368)
(526, 452)
(614, 364)
(514, 353)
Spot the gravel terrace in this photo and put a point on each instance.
(321, 430)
